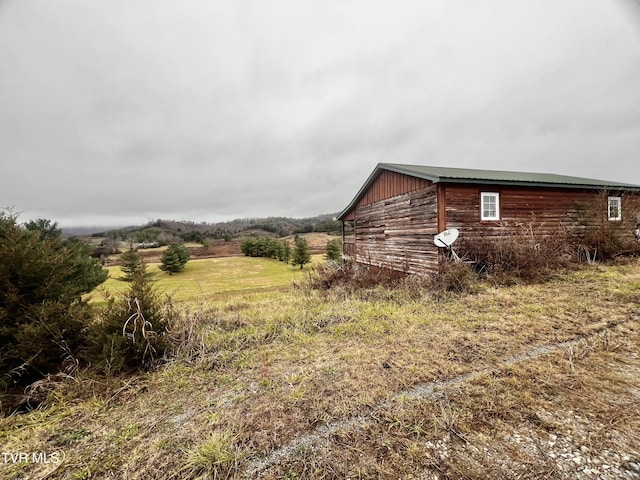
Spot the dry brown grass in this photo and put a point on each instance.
(343, 369)
(504, 422)
(513, 252)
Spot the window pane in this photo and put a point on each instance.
(615, 210)
(490, 206)
(489, 210)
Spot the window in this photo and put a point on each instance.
(615, 208)
(489, 206)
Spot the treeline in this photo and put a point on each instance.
(164, 232)
(283, 227)
(267, 247)
(162, 236)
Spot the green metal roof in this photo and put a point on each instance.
(489, 177)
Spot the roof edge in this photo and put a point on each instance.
(407, 170)
(364, 187)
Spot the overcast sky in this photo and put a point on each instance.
(116, 112)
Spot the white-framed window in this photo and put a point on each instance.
(615, 208)
(489, 206)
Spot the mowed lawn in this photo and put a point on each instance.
(209, 278)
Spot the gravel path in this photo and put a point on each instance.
(569, 456)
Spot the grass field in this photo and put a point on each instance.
(214, 278)
(527, 381)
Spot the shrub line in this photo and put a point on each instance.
(429, 390)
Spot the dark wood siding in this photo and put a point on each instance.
(546, 209)
(398, 215)
(442, 207)
(398, 232)
(387, 185)
(390, 184)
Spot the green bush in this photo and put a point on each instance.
(130, 332)
(334, 250)
(43, 319)
(301, 252)
(131, 262)
(267, 247)
(174, 258)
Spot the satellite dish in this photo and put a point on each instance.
(445, 239)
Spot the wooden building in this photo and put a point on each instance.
(400, 208)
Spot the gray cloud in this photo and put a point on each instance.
(114, 112)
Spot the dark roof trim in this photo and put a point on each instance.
(488, 177)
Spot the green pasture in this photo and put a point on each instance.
(213, 278)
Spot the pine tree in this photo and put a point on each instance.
(283, 251)
(131, 263)
(301, 253)
(131, 331)
(174, 258)
(286, 251)
(183, 254)
(334, 250)
(42, 315)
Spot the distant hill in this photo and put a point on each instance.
(84, 231)
(166, 230)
